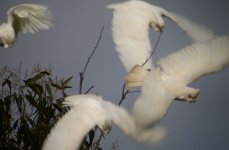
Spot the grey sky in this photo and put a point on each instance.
(199, 126)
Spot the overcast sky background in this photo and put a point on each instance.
(203, 125)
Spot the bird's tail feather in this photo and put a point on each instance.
(126, 122)
(88, 111)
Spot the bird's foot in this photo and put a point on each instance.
(189, 96)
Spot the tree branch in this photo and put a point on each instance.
(82, 74)
(154, 49)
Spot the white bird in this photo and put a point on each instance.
(130, 25)
(88, 111)
(24, 18)
(170, 79)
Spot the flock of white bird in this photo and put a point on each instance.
(162, 83)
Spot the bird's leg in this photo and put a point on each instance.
(188, 94)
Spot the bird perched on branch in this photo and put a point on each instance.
(24, 18)
(130, 29)
(88, 111)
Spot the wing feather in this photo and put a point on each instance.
(90, 110)
(130, 25)
(85, 113)
(197, 60)
(193, 30)
(130, 35)
(29, 18)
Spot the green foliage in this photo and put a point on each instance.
(29, 107)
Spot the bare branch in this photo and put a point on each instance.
(82, 74)
(124, 93)
(154, 49)
(89, 89)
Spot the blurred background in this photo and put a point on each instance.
(66, 47)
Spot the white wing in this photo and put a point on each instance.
(130, 25)
(88, 111)
(130, 34)
(194, 30)
(85, 113)
(29, 18)
(197, 60)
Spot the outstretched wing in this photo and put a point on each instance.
(85, 113)
(29, 18)
(194, 30)
(130, 25)
(88, 111)
(197, 60)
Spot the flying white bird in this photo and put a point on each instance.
(24, 18)
(161, 86)
(130, 25)
(170, 79)
(88, 111)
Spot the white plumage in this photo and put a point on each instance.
(24, 18)
(193, 30)
(160, 86)
(88, 111)
(130, 25)
(169, 80)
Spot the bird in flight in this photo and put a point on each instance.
(88, 111)
(161, 83)
(24, 18)
(169, 78)
(130, 30)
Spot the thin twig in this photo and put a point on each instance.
(89, 89)
(82, 74)
(154, 49)
(124, 93)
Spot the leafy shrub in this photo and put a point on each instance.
(30, 107)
